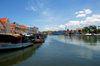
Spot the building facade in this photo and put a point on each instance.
(2, 29)
(6, 24)
(15, 28)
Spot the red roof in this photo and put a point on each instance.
(79, 28)
(3, 19)
(23, 26)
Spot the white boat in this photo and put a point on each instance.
(88, 34)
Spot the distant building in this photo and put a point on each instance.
(5, 24)
(98, 27)
(79, 29)
(58, 32)
(49, 32)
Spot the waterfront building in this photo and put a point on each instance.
(2, 29)
(79, 30)
(31, 30)
(12, 28)
(35, 29)
(6, 24)
(15, 28)
(25, 29)
(67, 32)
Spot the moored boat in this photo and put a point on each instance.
(39, 41)
(14, 41)
(39, 38)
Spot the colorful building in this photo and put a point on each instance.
(6, 27)
(79, 29)
(12, 28)
(5, 24)
(31, 30)
(35, 29)
(15, 28)
(25, 29)
(2, 29)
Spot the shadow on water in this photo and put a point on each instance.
(15, 57)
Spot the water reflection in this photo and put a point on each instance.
(10, 58)
(58, 50)
(92, 42)
(89, 40)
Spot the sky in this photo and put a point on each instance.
(52, 14)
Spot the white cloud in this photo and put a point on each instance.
(87, 11)
(46, 13)
(83, 13)
(73, 23)
(31, 8)
(93, 20)
(54, 27)
(62, 27)
(35, 5)
(41, 4)
(80, 12)
(49, 19)
(50, 28)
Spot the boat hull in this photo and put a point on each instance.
(39, 41)
(14, 46)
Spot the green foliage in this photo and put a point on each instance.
(98, 30)
(90, 29)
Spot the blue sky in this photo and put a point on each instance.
(52, 14)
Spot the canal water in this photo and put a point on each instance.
(57, 50)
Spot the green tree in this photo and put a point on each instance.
(90, 29)
(93, 29)
(86, 30)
